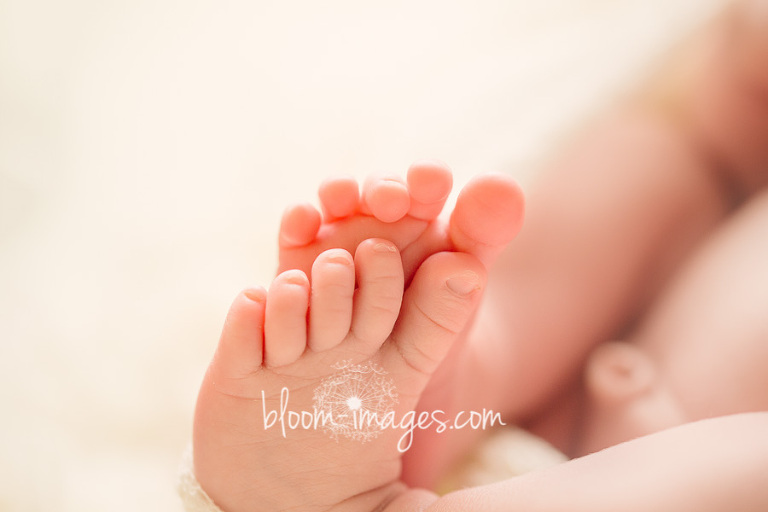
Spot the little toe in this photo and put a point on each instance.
(285, 322)
(386, 198)
(299, 226)
(487, 216)
(339, 198)
(429, 183)
(239, 352)
(380, 291)
(330, 310)
(438, 305)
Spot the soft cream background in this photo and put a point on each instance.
(148, 147)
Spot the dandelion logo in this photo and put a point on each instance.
(358, 398)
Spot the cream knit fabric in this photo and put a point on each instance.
(192, 495)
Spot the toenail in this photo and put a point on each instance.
(385, 247)
(296, 277)
(255, 295)
(341, 259)
(464, 283)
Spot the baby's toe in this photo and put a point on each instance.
(386, 198)
(330, 310)
(239, 352)
(285, 323)
(379, 294)
(299, 226)
(487, 216)
(339, 198)
(438, 305)
(429, 184)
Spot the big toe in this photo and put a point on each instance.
(436, 308)
(487, 216)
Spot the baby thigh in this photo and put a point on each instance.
(684, 468)
(709, 331)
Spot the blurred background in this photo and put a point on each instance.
(148, 147)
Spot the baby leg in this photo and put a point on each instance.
(708, 466)
(701, 352)
(612, 220)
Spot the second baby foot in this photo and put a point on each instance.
(345, 340)
(487, 216)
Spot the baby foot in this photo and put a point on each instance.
(285, 351)
(487, 216)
